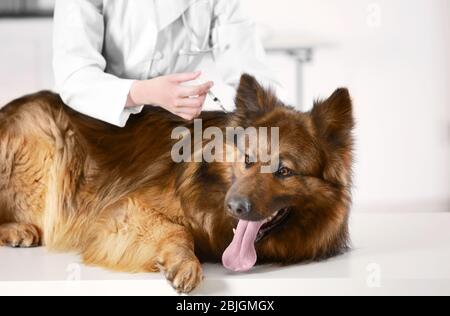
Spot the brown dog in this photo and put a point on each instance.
(115, 195)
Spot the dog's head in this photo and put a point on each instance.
(297, 210)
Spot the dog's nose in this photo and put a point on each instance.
(240, 207)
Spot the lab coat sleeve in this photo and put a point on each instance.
(80, 67)
(239, 45)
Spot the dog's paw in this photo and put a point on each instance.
(19, 235)
(185, 276)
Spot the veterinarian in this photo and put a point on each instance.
(113, 57)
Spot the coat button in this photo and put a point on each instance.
(158, 56)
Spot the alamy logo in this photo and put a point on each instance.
(232, 144)
(374, 275)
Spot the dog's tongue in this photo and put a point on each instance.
(240, 256)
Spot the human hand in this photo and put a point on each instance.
(169, 93)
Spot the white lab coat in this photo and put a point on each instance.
(102, 46)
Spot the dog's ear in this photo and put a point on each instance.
(253, 100)
(334, 118)
(334, 122)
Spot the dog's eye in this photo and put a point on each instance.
(284, 172)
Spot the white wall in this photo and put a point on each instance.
(25, 57)
(392, 54)
(394, 57)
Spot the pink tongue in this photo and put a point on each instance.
(240, 256)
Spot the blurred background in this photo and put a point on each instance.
(393, 55)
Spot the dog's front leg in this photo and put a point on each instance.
(130, 237)
(177, 260)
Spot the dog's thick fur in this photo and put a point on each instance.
(114, 195)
